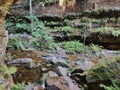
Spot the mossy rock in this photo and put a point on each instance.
(106, 69)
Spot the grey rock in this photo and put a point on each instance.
(31, 86)
(62, 71)
(63, 83)
(110, 52)
(58, 82)
(44, 69)
(20, 61)
(72, 85)
(86, 65)
(52, 74)
(58, 61)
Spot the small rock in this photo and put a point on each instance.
(44, 69)
(20, 61)
(1, 81)
(43, 78)
(38, 87)
(58, 82)
(110, 52)
(31, 86)
(52, 74)
(54, 59)
(62, 71)
(86, 65)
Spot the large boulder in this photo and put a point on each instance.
(61, 83)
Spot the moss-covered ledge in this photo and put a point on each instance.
(106, 69)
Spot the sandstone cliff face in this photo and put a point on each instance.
(107, 4)
(4, 4)
(3, 34)
(59, 7)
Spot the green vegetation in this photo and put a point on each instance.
(40, 38)
(15, 42)
(7, 71)
(106, 69)
(94, 50)
(17, 25)
(72, 46)
(109, 30)
(115, 85)
(18, 86)
(67, 29)
(1, 87)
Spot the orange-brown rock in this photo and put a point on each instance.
(4, 6)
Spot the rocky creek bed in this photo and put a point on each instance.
(61, 70)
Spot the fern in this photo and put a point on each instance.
(72, 46)
(109, 30)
